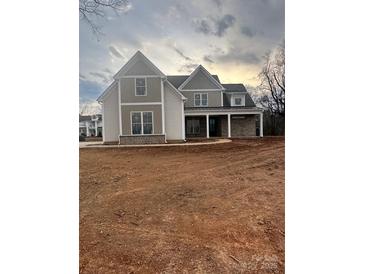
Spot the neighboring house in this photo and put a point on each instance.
(143, 105)
(90, 125)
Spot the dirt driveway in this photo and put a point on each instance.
(208, 209)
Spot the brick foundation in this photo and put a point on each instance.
(141, 139)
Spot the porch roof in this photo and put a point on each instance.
(223, 110)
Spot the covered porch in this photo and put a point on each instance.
(229, 124)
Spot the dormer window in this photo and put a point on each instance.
(141, 88)
(238, 100)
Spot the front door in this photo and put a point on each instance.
(213, 126)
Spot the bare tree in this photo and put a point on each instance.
(273, 81)
(90, 9)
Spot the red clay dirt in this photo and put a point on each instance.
(188, 209)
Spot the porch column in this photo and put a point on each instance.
(261, 125)
(207, 126)
(87, 129)
(229, 125)
(96, 128)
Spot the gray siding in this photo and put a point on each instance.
(214, 98)
(110, 118)
(126, 117)
(200, 81)
(140, 68)
(128, 91)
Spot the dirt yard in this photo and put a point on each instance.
(197, 209)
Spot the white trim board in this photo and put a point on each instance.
(119, 109)
(205, 89)
(221, 113)
(163, 108)
(141, 104)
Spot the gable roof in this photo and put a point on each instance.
(177, 80)
(234, 87)
(106, 92)
(178, 93)
(209, 76)
(138, 56)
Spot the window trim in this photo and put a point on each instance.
(238, 98)
(200, 94)
(141, 114)
(135, 86)
(243, 100)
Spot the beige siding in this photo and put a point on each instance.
(128, 91)
(214, 98)
(140, 68)
(200, 81)
(173, 114)
(110, 118)
(126, 117)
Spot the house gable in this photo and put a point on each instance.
(140, 68)
(106, 92)
(139, 65)
(201, 79)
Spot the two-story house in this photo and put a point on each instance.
(90, 125)
(143, 105)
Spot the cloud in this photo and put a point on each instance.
(107, 71)
(114, 51)
(179, 52)
(212, 26)
(218, 3)
(102, 76)
(236, 55)
(89, 108)
(176, 11)
(248, 32)
(264, 20)
(208, 59)
(224, 23)
(202, 26)
(188, 67)
(81, 76)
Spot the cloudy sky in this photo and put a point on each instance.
(228, 37)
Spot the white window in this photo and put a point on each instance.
(200, 99)
(141, 88)
(238, 100)
(142, 122)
